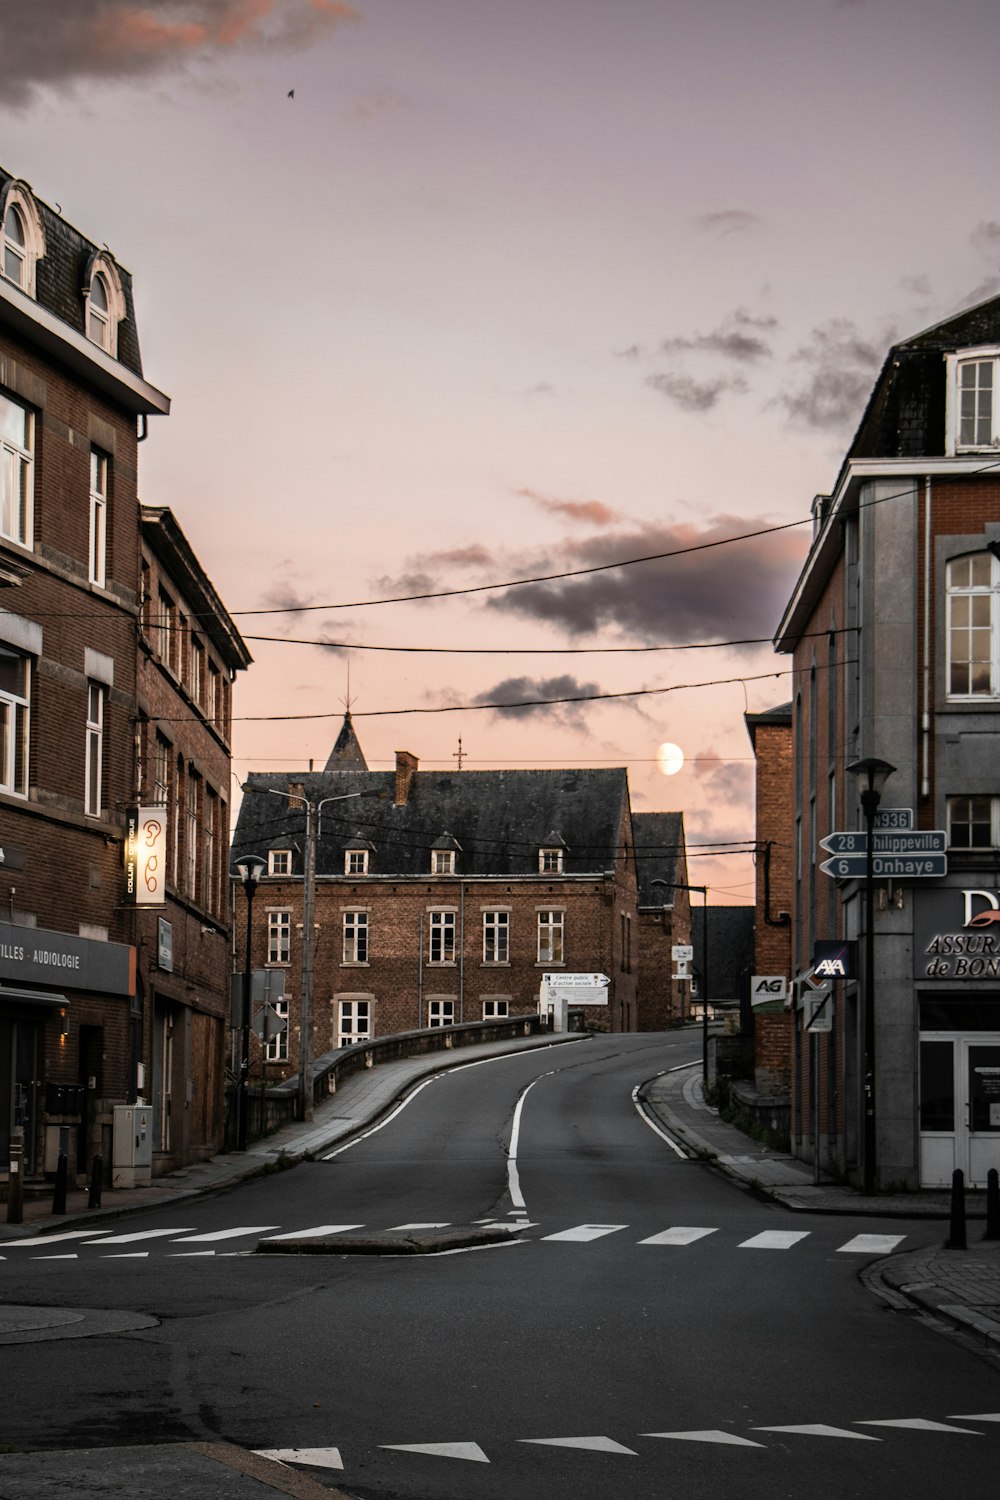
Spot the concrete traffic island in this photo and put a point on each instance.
(393, 1241)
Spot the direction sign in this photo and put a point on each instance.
(889, 841)
(574, 981)
(912, 866)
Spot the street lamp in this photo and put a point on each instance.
(670, 886)
(249, 870)
(872, 775)
(304, 1102)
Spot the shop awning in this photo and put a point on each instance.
(46, 999)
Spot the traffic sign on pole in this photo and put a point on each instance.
(888, 841)
(924, 865)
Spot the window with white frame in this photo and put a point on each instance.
(550, 861)
(440, 1012)
(496, 1008)
(197, 684)
(279, 936)
(355, 937)
(441, 930)
(496, 937)
(94, 771)
(98, 517)
(356, 862)
(279, 861)
(161, 771)
(551, 927)
(16, 471)
(442, 861)
(973, 584)
(973, 822)
(354, 1022)
(276, 1037)
(15, 682)
(973, 419)
(22, 242)
(99, 313)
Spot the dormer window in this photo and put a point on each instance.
(442, 861)
(279, 861)
(22, 242)
(550, 861)
(104, 304)
(356, 862)
(973, 417)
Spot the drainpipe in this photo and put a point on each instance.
(461, 951)
(782, 919)
(925, 717)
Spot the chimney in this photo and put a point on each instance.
(406, 766)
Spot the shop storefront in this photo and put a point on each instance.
(957, 979)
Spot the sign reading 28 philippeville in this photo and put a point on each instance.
(897, 853)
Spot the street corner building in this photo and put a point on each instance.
(116, 664)
(894, 781)
(440, 897)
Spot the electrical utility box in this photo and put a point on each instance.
(132, 1153)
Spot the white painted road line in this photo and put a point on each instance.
(871, 1244)
(316, 1458)
(312, 1234)
(54, 1239)
(821, 1429)
(711, 1435)
(470, 1451)
(589, 1444)
(921, 1424)
(775, 1239)
(145, 1234)
(678, 1236)
(225, 1234)
(584, 1232)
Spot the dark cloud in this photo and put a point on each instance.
(694, 395)
(406, 583)
(65, 42)
(727, 221)
(525, 690)
(592, 512)
(987, 288)
(284, 594)
(986, 237)
(917, 285)
(738, 338)
(726, 592)
(729, 780)
(840, 367)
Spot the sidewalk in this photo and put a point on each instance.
(360, 1102)
(960, 1286)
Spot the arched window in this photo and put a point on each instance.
(104, 304)
(22, 242)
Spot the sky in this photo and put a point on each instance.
(448, 294)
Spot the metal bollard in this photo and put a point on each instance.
(956, 1237)
(15, 1181)
(992, 1205)
(59, 1191)
(96, 1172)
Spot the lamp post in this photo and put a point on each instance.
(670, 886)
(872, 775)
(250, 870)
(304, 1102)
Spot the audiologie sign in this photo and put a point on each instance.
(957, 933)
(146, 856)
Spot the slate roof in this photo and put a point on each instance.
(730, 948)
(905, 415)
(347, 754)
(61, 274)
(659, 855)
(500, 819)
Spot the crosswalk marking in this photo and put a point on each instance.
(398, 1228)
(143, 1234)
(226, 1234)
(584, 1232)
(871, 1244)
(775, 1239)
(678, 1236)
(54, 1239)
(311, 1234)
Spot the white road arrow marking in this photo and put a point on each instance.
(311, 1234)
(585, 1232)
(678, 1236)
(920, 1424)
(820, 1429)
(470, 1451)
(710, 1435)
(775, 1239)
(226, 1234)
(316, 1458)
(590, 1444)
(871, 1244)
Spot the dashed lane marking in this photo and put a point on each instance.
(311, 1234)
(225, 1234)
(774, 1239)
(820, 1429)
(589, 1444)
(871, 1244)
(145, 1234)
(584, 1232)
(709, 1435)
(921, 1424)
(678, 1236)
(469, 1451)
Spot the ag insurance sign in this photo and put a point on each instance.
(957, 933)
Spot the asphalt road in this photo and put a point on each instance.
(578, 1360)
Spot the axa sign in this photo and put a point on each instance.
(834, 959)
(958, 934)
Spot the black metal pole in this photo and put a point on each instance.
(704, 980)
(869, 802)
(244, 1079)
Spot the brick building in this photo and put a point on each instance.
(771, 1020)
(664, 919)
(444, 902)
(74, 404)
(894, 630)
